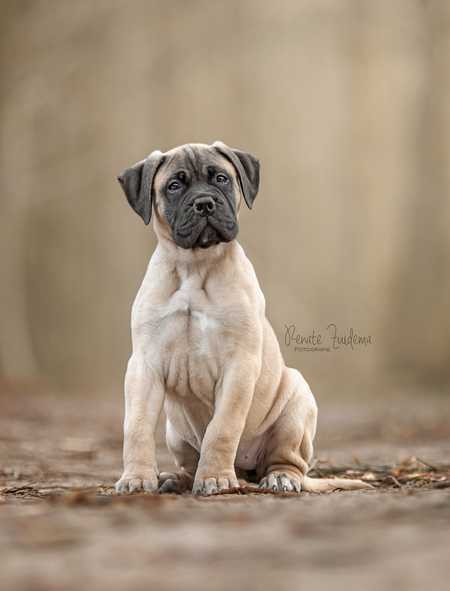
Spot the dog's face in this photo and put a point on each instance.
(196, 190)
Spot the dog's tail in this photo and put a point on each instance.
(324, 484)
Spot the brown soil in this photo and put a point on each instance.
(63, 528)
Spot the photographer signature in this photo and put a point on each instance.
(314, 340)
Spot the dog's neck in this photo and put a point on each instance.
(189, 261)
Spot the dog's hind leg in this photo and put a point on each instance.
(289, 449)
(186, 457)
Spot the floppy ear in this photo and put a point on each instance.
(137, 181)
(247, 168)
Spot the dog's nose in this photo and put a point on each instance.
(204, 206)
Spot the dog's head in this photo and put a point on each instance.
(196, 190)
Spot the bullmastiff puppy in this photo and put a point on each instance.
(202, 346)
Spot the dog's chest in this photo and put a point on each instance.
(191, 342)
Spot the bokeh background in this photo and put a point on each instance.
(345, 102)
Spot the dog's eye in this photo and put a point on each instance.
(174, 186)
(221, 178)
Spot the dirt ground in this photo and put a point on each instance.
(62, 527)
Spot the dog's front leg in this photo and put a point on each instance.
(144, 398)
(218, 452)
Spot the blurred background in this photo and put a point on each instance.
(347, 105)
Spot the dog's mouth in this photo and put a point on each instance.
(209, 236)
(205, 232)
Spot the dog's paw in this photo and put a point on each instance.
(281, 482)
(207, 486)
(147, 483)
(175, 482)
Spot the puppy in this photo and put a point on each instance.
(202, 346)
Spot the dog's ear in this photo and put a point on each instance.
(247, 168)
(137, 181)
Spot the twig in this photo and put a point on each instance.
(16, 489)
(432, 466)
(313, 463)
(440, 484)
(394, 480)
